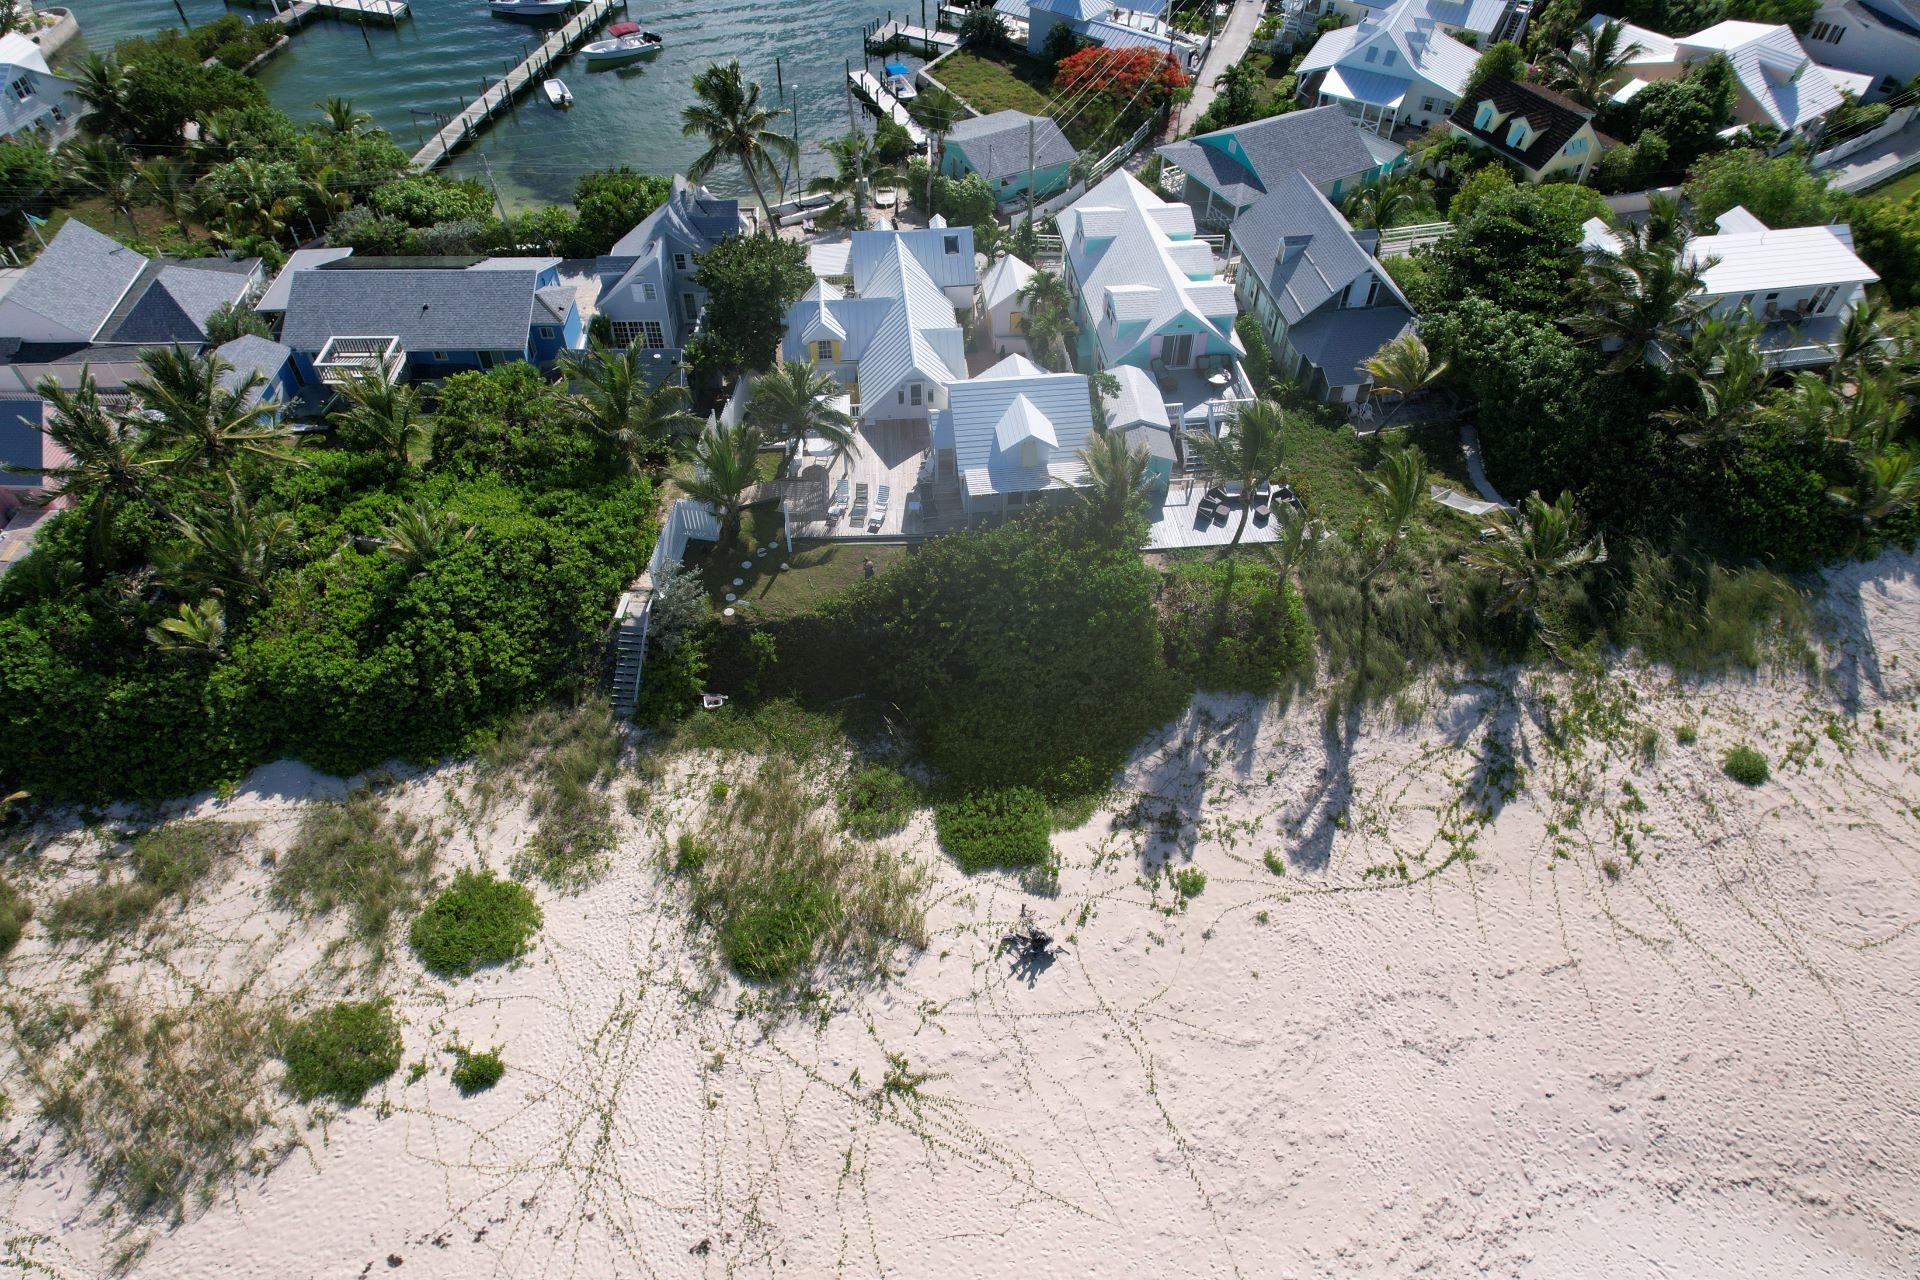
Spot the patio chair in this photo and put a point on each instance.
(837, 505)
(1204, 513)
(1220, 514)
(858, 514)
(879, 516)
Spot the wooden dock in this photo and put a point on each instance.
(875, 93)
(897, 34)
(500, 95)
(294, 14)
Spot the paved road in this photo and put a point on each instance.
(1879, 162)
(1229, 48)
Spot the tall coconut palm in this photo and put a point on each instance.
(252, 204)
(339, 118)
(1860, 349)
(1251, 451)
(857, 169)
(1587, 67)
(104, 169)
(104, 468)
(615, 402)
(1868, 418)
(1724, 376)
(728, 115)
(1643, 298)
(198, 630)
(168, 182)
(1404, 366)
(938, 112)
(380, 416)
(725, 465)
(101, 84)
(1399, 486)
(1532, 545)
(793, 400)
(229, 550)
(207, 420)
(1889, 482)
(1116, 485)
(1387, 203)
(324, 196)
(419, 534)
(1047, 307)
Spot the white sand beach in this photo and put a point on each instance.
(1523, 1003)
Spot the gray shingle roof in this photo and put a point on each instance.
(1338, 342)
(427, 310)
(1327, 260)
(251, 353)
(78, 279)
(1555, 117)
(996, 145)
(175, 304)
(556, 302)
(1322, 143)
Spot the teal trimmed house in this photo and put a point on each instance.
(1228, 171)
(997, 148)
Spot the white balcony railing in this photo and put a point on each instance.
(343, 359)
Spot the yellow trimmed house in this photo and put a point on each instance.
(1542, 134)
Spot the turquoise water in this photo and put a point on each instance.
(436, 61)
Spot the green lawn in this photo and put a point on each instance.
(1899, 189)
(1004, 82)
(1328, 460)
(816, 568)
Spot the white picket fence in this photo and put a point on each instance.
(685, 521)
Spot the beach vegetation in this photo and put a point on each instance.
(476, 1070)
(166, 863)
(1009, 828)
(1745, 765)
(340, 1051)
(876, 801)
(356, 857)
(477, 921)
(15, 910)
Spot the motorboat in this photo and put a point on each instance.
(530, 8)
(557, 92)
(625, 42)
(899, 82)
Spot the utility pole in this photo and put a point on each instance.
(849, 89)
(1029, 175)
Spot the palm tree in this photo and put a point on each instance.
(857, 167)
(1586, 68)
(1399, 486)
(1251, 451)
(1404, 366)
(323, 198)
(229, 551)
(725, 465)
(1116, 485)
(1726, 375)
(1532, 545)
(938, 112)
(1860, 350)
(1868, 420)
(168, 182)
(207, 418)
(737, 128)
(1047, 305)
(1647, 296)
(1890, 482)
(104, 468)
(793, 400)
(339, 119)
(255, 205)
(196, 629)
(100, 83)
(380, 416)
(104, 169)
(1388, 202)
(616, 403)
(419, 534)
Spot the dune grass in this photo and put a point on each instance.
(341, 1051)
(876, 801)
(784, 892)
(569, 755)
(1008, 829)
(167, 863)
(476, 922)
(15, 911)
(356, 857)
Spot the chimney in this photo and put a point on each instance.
(1291, 246)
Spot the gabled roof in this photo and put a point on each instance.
(555, 303)
(1554, 117)
(692, 218)
(176, 303)
(1407, 42)
(1137, 403)
(1077, 10)
(249, 354)
(1034, 404)
(1773, 70)
(78, 279)
(1745, 260)
(996, 145)
(1005, 279)
(427, 310)
(1324, 143)
(1022, 422)
(1122, 240)
(1013, 366)
(1302, 250)
(870, 251)
(900, 326)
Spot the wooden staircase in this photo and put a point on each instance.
(630, 647)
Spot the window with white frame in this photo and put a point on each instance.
(641, 333)
(647, 290)
(680, 263)
(22, 87)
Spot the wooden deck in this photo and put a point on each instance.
(499, 96)
(1173, 524)
(903, 35)
(888, 453)
(875, 94)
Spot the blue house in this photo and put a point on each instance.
(427, 317)
(997, 148)
(273, 361)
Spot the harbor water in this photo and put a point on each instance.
(411, 77)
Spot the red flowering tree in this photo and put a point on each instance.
(1126, 77)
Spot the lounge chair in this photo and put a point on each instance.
(837, 506)
(879, 516)
(858, 514)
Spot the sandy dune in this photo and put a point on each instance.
(1522, 1004)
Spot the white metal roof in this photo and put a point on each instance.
(1787, 258)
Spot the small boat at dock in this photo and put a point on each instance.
(626, 42)
(557, 92)
(899, 82)
(530, 8)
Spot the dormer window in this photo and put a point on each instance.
(1029, 453)
(1483, 117)
(1373, 55)
(953, 244)
(1518, 134)
(1109, 310)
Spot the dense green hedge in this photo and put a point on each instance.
(1236, 625)
(1008, 828)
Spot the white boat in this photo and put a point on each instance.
(899, 82)
(530, 8)
(557, 92)
(626, 42)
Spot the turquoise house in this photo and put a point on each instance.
(1229, 170)
(1004, 148)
